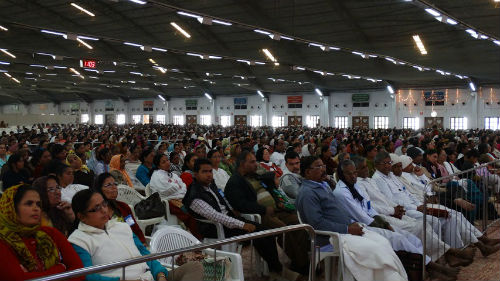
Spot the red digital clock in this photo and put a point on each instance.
(88, 63)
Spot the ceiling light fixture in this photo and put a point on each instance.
(161, 97)
(262, 32)
(420, 45)
(260, 93)
(138, 1)
(319, 92)
(269, 55)
(432, 12)
(451, 21)
(74, 71)
(390, 89)
(87, 38)
(159, 49)
(182, 31)
(7, 74)
(182, 13)
(208, 96)
(4, 63)
(472, 86)
(84, 43)
(8, 53)
(3, 28)
(152, 61)
(83, 10)
(133, 44)
(222, 22)
(434, 113)
(55, 33)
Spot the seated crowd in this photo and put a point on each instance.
(60, 209)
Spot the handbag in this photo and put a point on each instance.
(151, 207)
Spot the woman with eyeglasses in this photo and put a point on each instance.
(28, 249)
(107, 186)
(99, 240)
(55, 212)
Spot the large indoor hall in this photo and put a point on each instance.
(319, 140)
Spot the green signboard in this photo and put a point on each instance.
(360, 97)
(191, 103)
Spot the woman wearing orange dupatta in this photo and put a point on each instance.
(117, 169)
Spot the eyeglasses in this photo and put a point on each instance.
(54, 189)
(111, 184)
(98, 207)
(319, 167)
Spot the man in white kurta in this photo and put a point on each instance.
(361, 211)
(456, 232)
(392, 214)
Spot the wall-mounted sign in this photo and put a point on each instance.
(109, 105)
(87, 63)
(191, 103)
(75, 107)
(434, 96)
(240, 101)
(294, 99)
(148, 105)
(360, 97)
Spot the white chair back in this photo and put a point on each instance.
(128, 195)
(169, 238)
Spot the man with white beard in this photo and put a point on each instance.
(458, 231)
(394, 214)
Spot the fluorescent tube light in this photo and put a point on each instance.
(269, 55)
(182, 31)
(161, 97)
(87, 38)
(390, 89)
(55, 33)
(420, 45)
(319, 92)
(472, 86)
(260, 93)
(4, 63)
(8, 53)
(84, 43)
(208, 96)
(152, 61)
(83, 10)
(3, 28)
(159, 49)
(432, 12)
(138, 1)
(74, 71)
(262, 31)
(222, 22)
(133, 44)
(182, 13)
(451, 21)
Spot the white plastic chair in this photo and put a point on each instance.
(328, 254)
(171, 238)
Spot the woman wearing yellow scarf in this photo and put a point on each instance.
(29, 250)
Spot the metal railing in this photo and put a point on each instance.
(470, 198)
(155, 256)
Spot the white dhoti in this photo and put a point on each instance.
(434, 246)
(401, 240)
(370, 257)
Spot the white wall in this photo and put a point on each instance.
(381, 104)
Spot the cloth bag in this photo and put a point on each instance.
(151, 207)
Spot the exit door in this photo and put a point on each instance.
(191, 119)
(240, 120)
(360, 122)
(431, 121)
(294, 120)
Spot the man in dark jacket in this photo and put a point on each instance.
(247, 194)
(204, 201)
